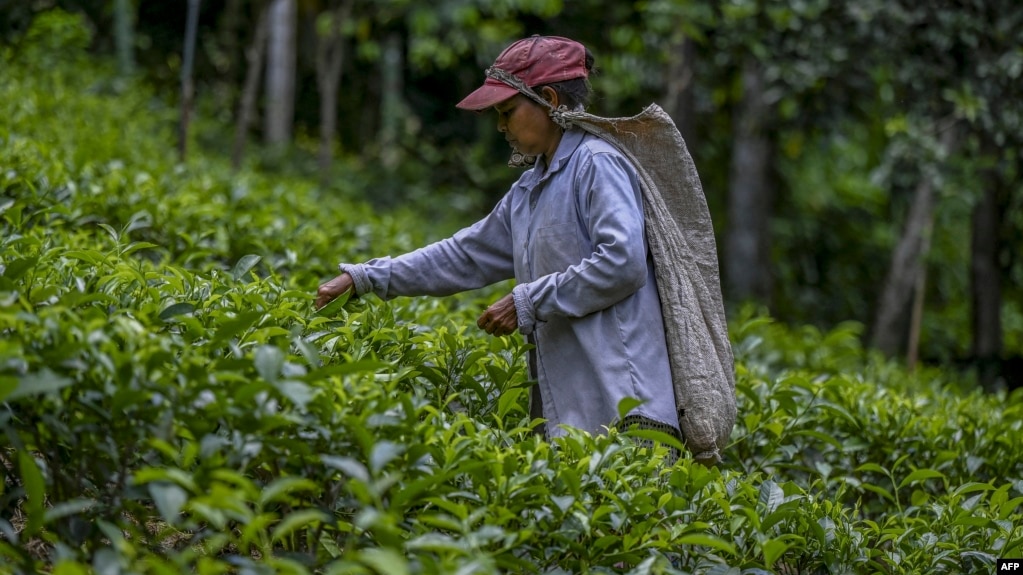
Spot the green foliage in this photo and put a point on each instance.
(171, 402)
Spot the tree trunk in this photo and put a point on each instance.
(906, 267)
(391, 104)
(280, 72)
(247, 104)
(330, 56)
(903, 272)
(985, 286)
(678, 94)
(747, 261)
(919, 291)
(125, 36)
(187, 89)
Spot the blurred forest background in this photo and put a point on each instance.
(862, 160)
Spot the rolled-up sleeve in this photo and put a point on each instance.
(474, 257)
(609, 199)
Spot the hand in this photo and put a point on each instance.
(329, 291)
(501, 318)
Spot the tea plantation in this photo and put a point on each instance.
(171, 403)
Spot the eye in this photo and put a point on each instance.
(504, 112)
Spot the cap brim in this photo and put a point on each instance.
(490, 93)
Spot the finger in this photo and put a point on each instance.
(484, 319)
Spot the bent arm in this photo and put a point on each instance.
(609, 200)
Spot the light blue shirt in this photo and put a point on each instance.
(573, 239)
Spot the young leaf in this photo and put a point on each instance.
(243, 266)
(297, 392)
(334, 307)
(297, 520)
(234, 326)
(771, 496)
(509, 400)
(384, 560)
(920, 475)
(35, 487)
(383, 453)
(268, 361)
(180, 308)
(44, 381)
(350, 467)
(169, 499)
(67, 508)
(113, 233)
(773, 549)
(18, 266)
(136, 246)
(8, 383)
(626, 405)
(708, 541)
(308, 351)
(279, 488)
(654, 435)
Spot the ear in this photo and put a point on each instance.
(550, 94)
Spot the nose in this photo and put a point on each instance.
(502, 123)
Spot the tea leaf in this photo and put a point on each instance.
(774, 549)
(920, 475)
(244, 265)
(385, 561)
(348, 466)
(334, 307)
(44, 381)
(771, 496)
(654, 435)
(626, 405)
(17, 267)
(35, 487)
(169, 500)
(268, 361)
(296, 520)
(177, 309)
(383, 453)
(279, 489)
(708, 541)
(68, 508)
(234, 326)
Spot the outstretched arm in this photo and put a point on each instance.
(472, 258)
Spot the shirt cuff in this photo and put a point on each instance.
(359, 277)
(524, 309)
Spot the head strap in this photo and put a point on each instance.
(557, 114)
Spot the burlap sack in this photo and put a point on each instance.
(681, 238)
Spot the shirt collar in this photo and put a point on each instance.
(570, 140)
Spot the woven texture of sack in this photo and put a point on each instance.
(681, 239)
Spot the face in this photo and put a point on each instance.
(527, 127)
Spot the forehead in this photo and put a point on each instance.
(509, 103)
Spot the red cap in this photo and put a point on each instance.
(537, 60)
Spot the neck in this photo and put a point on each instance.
(548, 156)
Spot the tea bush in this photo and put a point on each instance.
(171, 402)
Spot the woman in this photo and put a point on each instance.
(571, 233)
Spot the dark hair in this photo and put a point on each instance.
(575, 92)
